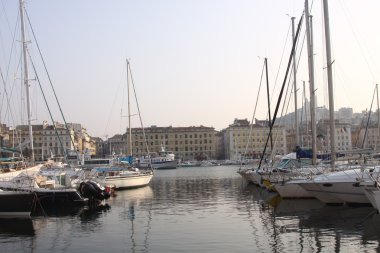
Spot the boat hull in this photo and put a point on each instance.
(373, 195)
(16, 204)
(337, 192)
(124, 182)
(165, 165)
(291, 190)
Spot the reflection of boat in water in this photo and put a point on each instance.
(137, 195)
(260, 194)
(295, 206)
(337, 219)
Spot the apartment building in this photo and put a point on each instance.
(244, 140)
(187, 143)
(51, 140)
(343, 137)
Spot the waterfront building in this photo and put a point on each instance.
(49, 140)
(187, 143)
(343, 136)
(243, 140)
(369, 139)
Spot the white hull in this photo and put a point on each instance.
(373, 195)
(28, 171)
(337, 193)
(341, 186)
(165, 165)
(316, 190)
(129, 181)
(160, 165)
(255, 178)
(246, 175)
(349, 192)
(291, 190)
(340, 192)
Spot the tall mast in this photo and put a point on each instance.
(270, 116)
(295, 88)
(378, 111)
(330, 81)
(26, 78)
(129, 113)
(309, 36)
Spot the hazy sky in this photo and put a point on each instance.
(194, 62)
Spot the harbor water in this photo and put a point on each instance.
(199, 209)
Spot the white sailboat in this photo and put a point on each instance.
(290, 188)
(341, 185)
(30, 180)
(122, 174)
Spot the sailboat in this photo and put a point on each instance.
(342, 184)
(30, 180)
(122, 173)
(260, 175)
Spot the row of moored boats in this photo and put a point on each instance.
(54, 184)
(348, 183)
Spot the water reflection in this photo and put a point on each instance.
(199, 210)
(307, 225)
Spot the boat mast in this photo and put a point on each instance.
(330, 82)
(378, 111)
(295, 87)
(26, 81)
(309, 36)
(129, 113)
(269, 114)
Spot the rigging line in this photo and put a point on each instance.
(284, 111)
(114, 102)
(282, 57)
(51, 84)
(369, 116)
(48, 108)
(254, 113)
(138, 107)
(122, 104)
(7, 98)
(10, 55)
(283, 86)
(357, 40)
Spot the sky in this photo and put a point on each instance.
(193, 62)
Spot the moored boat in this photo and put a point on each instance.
(122, 176)
(16, 204)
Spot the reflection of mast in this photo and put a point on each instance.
(131, 216)
(26, 81)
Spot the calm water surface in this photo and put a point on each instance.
(209, 209)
